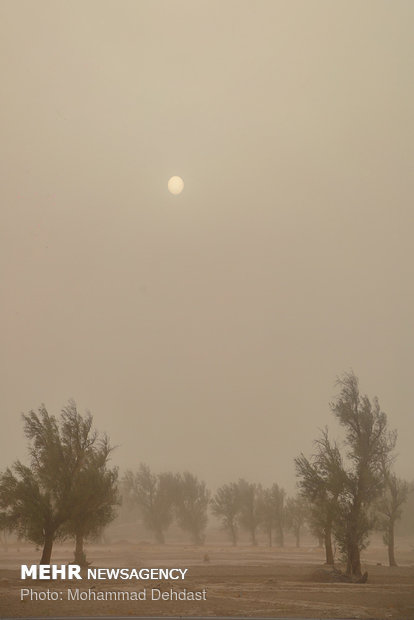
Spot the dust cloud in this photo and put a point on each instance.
(205, 331)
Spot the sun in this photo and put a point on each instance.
(175, 185)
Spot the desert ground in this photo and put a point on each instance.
(242, 581)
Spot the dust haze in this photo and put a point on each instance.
(205, 331)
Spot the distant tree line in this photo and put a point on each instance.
(70, 491)
(164, 498)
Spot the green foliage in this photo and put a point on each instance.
(406, 525)
(191, 502)
(154, 495)
(27, 507)
(226, 506)
(67, 473)
(342, 488)
(96, 495)
(369, 446)
(389, 509)
(297, 512)
(321, 480)
(251, 515)
(390, 504)
(272, 512)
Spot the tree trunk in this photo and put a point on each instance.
(79, 553)
(348, 564)
(356, 564)
(280, 537)
(159, 536)
(391, 555)
(253, 535)
(297, 534)
(198, 539)
(328, 547)
(47, 548)
(354, 561)
(270, 536)
(353, 552)
(233, 535)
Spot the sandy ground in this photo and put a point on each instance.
(241, 581)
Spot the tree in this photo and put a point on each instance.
(297, 511)
(406, 525)
(389, 507)
(272, 512)
(321, 481)
(95, 497)
(36, 501)
(226, 505)
(154, 495)
(369, 445)
(267, 514)
(4, 529)
(278, 499)
(191, 502)
(250, 518)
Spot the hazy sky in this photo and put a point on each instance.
(205, 331)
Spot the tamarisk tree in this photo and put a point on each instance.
(321, 480)
(95, 498)
(38, 500)
(272, 513)
(154, 495)
(389, 507)
(191, 499)
(369, 445)
(226, 506)
(251, 515)
(297, 510)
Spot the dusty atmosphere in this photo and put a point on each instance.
(183, 322)
(207, 267)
